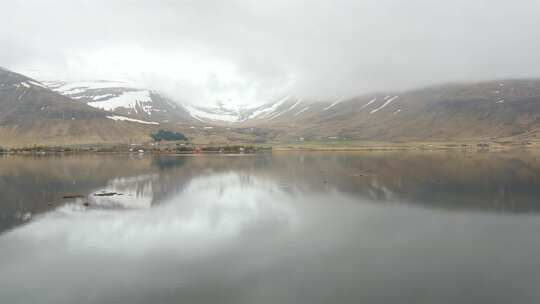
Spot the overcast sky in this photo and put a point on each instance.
(253, 50)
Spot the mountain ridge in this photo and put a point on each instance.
(31, 113)
(483, 110)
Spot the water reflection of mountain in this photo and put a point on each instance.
(495, 182)
(498, 182)
(32, 185)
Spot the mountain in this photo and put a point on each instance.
(141, 103)
(504, 110)
(31, 113)
(493, 110)
(124, 99)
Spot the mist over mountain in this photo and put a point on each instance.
(101, 111)
(267, 72)
(247, 53)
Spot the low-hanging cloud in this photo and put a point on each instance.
(251, 51)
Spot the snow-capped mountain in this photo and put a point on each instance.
(286, 109)
(119, 97)
(148, 105)
(106, 95)
(222, 112)
(495, 109)
(245, 114)
(132, 101)
(31, 113)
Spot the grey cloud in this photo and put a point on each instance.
(316, 48)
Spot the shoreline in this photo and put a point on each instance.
(238, 149)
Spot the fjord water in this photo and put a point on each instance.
(317, 227)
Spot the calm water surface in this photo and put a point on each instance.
(392, 227)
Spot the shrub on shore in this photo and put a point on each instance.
(167, 136)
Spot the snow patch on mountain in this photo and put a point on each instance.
(37, 84)
(335, 103)
(203, 115)
(128, 100)
(276, 115)
(387, 102)
(301, 111)
(123, 118)
(267, 111)
(107, 95)
(28, 84)
(74, 88)
(102, 97)
(295, 104)
(369, 102)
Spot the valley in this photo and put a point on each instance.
(103, 112)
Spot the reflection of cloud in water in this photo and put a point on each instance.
(210, 209)
(220, 229)
(268, 230)
(133, 192)
(239, 238)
